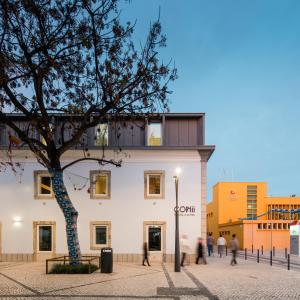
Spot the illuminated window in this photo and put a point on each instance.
(154, 184)
(100, 184)
(101, 135)
(42, 185)
(154, 134)
(100, 234)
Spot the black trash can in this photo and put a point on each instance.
(106, 260)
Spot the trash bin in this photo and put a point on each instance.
(106, 260)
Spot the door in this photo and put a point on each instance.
(155, 238)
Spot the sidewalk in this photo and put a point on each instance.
(216, 280)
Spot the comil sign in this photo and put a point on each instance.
(185, 210)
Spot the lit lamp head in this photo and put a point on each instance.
(177, 172)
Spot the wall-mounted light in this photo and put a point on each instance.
(17, 221)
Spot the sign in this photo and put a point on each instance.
(186, 210)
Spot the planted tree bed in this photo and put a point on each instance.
(65, 265)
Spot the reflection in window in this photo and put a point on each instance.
(101, 184)
(154, 184)
(101, 235)
(45, 238)
(45, 185)
(101, 138)
(154, 238)
(154, 134)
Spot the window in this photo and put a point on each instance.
(154, 134)
(3, 140)
(101, 135)
(44, 236)
(154, 184)
(284, 226)
(259, 226)
(100, 184)
(251, 201)
(265, 225)
(154, 238)
(42, 185)
(100, 234)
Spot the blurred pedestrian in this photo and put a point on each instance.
(210, 244)
(221, 243)
(145, 254)
(234, 249)
(200, 252)
(184, 247)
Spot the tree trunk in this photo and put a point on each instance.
(70, 213)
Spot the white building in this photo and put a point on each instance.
(119, 207)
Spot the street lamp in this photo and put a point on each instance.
(177, 249)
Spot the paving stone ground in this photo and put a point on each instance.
(216, 280)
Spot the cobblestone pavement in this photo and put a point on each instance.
(216, 280)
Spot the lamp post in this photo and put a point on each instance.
(177, 249)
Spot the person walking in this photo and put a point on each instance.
(145, 254)
(234, 249)
(184, 247)
(200, 252)
(221, 243)
(210, 244)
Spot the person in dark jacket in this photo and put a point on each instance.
(145, 254)
(200, 252)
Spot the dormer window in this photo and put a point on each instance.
(154, 137)
(101, 135)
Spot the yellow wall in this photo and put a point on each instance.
(230, 204)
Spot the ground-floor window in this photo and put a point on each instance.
(154, 238)
(44, 236)
(100, 234)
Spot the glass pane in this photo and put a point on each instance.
(45, 185)
(154, 184)
(101, 235)
(101, 135)
(154, 238)
(101, 185)
(45, 238)
(154, 134)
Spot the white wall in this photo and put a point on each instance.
(127, 209)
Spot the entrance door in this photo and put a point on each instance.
(155, 238)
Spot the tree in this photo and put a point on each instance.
(74, 58)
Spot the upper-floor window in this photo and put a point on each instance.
(101, 135)
(154, 184)
(100, 184)
(2, 135)
(42, 185)
(154, 137)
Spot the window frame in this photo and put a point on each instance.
(93, 225)
(36, 238)
(93, 174)
(148, 173)
(37, 181)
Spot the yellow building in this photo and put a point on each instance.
(233, 201)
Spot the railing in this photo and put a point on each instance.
(88, 259)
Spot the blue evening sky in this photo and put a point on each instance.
(239, 62)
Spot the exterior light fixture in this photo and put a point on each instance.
(177, 248)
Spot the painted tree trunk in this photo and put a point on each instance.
(70, 213)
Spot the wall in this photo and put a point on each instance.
(127, 209)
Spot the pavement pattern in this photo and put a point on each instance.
(216, 280)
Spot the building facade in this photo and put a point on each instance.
(119, 207)
(234, 201)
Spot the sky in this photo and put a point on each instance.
(239, 62)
